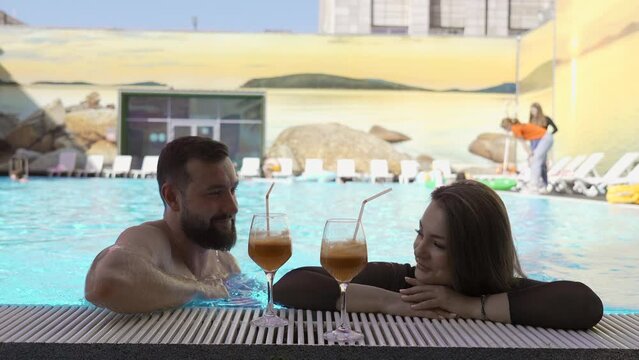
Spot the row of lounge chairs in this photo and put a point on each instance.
(345, 170)
(95, 166)
(579, 174)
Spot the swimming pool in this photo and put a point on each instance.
(51, 229)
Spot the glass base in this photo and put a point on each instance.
(270, 321)
(343, 335)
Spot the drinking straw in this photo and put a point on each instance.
(268, 193)
(361, 210)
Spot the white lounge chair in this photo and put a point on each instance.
(286, 168)
(558, 166)
(314, 171)
(570, 168)
(93, 166)
(444, 168)
(346, 170)
(149, 167)
(595, 185)
(66, 164)
(409, 170)
(586, 169)
(121, 166)
(313, 168)
(379, 170)
(555, 178)
(631, 178)
(250, 168)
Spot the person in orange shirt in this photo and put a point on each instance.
(532, 132)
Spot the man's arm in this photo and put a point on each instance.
(123, 281)
(126, 278)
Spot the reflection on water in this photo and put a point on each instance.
(51, 229)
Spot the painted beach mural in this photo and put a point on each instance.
(597, 79)
(441, 91)
(60, 88)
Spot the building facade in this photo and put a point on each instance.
(433, 17)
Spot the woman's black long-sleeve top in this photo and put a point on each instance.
(557, 304)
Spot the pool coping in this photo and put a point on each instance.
(193, 332)
(180, 351)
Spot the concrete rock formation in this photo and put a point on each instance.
(39, 130)
(388, 135)
(331, 142)
(106, 148)
(491, 146)
(89, 126)
(83, 128)
(425, 161)
(7, 123)
(91, 101)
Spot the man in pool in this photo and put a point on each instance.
(167, 263)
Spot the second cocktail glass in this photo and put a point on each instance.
(270, 247)
(343, 255)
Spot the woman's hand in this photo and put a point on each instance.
(402, 308)
(424, 297)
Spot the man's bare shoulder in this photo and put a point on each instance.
(228, 261)
(150, 239)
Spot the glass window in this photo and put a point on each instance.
(146, 138)
(391, 13)
(148, 106)
(243, 140)
(181, 131)
(389, 29)
(241, 108)
(179, 107)
(523, 15)
(203, 108)
(447, 17)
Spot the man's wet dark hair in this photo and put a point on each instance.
(175, 155)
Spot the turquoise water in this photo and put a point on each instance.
(51, 229)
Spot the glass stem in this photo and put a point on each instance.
(269, 279)
(344, 322)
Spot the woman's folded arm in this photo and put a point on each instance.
(313, 288)
(558, 304)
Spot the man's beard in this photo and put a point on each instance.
(205, 234)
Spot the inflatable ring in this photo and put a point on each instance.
(500, 183)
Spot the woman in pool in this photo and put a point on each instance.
(467, 267)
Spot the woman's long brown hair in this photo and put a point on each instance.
(480, 242)
(540, 119)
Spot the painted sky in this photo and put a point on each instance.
(225, 61)
(300, 16)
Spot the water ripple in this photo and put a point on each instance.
(51, 229)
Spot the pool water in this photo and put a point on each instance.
(51, 230)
